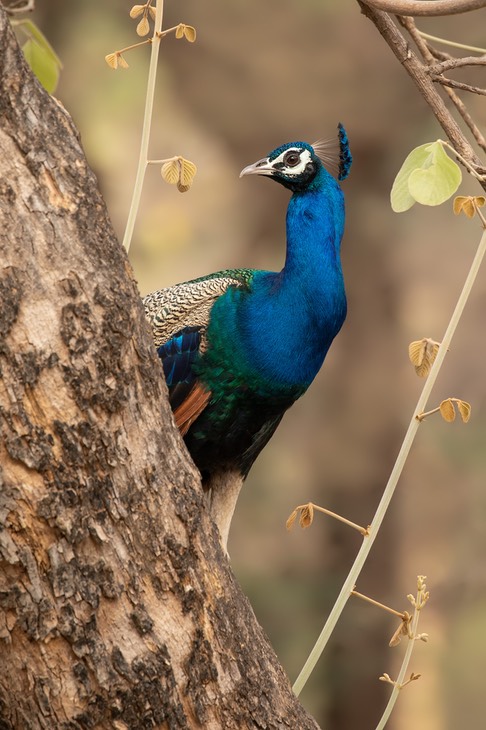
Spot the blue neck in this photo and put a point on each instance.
(293, 316)
(315, 226)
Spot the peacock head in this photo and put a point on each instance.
(296, 164)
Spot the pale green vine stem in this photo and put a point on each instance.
(368, 540)
(147, 121)
(453, 44)
(462, 159)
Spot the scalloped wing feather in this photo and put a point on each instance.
(179, 316)
(189, 304)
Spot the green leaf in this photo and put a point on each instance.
(401, 198)
(428, 176)
(436, 183)
(40, 56)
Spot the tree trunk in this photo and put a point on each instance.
(117, 607)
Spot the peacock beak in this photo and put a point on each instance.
(262, 167)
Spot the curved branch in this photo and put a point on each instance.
(451, 63)
(425, 7)
(419, 74)
(27, 8)
(457, 84)
(430, 54)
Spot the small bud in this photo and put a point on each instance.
(422, 637)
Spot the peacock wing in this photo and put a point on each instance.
(179, 316)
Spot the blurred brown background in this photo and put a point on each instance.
(260, 74)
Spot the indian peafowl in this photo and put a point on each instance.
(239, 346)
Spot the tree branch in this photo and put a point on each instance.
(425, 7)
(420, 76)
(27, 8)
(430, 54)
(437, 78)
(452, 63)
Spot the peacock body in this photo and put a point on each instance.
(238, 347)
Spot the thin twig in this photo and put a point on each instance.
(424, 414)
(161, 162)
(363, 530)
(420, 42)
(27, 8)
(458, 85)
(378, 604)
(452, 44)
(474, 172)
(418, 73)
(429, 54)
(147, 121)
(163, 33)
(451, 63)
(147, 41)
(463, 111)
(422, 596)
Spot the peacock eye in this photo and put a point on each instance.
(292, 159)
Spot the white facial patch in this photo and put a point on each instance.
(280, 163)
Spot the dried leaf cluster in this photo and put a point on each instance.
(185, 31)
(179, 171)
(448, 409)
(422, 354)
(468, 204)
(143, 27)
(305, 519)
(116, 59)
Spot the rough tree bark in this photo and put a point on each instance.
(117, 607)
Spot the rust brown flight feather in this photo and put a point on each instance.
(191, 408)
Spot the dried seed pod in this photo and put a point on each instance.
(112, 60)
(447, 410)
(136, 11)
(422, 354)
(143, 28)
(170, 171)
